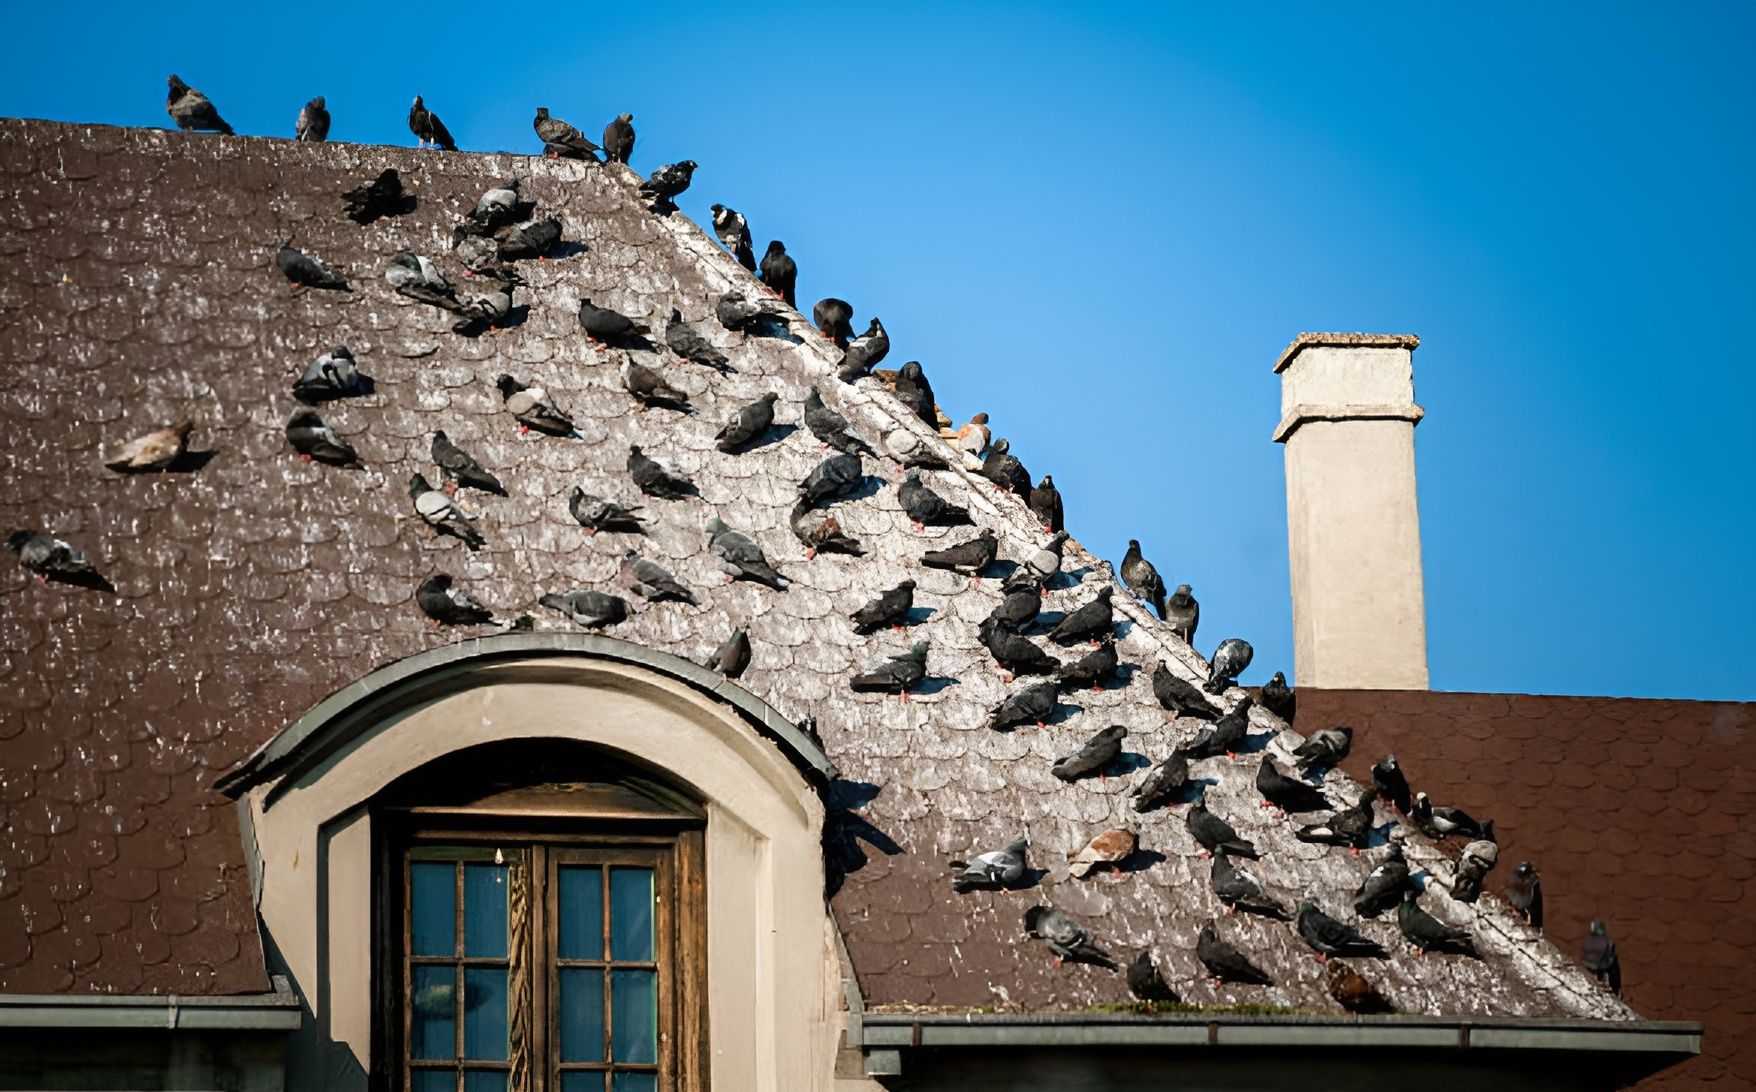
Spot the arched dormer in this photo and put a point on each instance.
(438, 839)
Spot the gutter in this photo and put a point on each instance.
(280, 1011)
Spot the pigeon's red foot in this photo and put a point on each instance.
(592, 531)
(919, 527)
(1321, 958)
(542, 259)
(1006, 676)
(524, 430)
(1095, 643)
(1096, 689)
(1041, 725)
(304, 458)
(449, 489)
(1044, 593)
(730, 578)
(1231, 910)
(1203, 855)
(811, 553)
(905, 695)
(1353, 851)
(1231, 756)
(897, 626)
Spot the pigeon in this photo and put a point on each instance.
(1223, 736)
(1240, 890)
(489, 307)
(449, 606)
(864, 353)
(1229, 661)
(1139, 577)
(479, 254)
(780, 273)
(1324, 749)
(1353, 993)
(994, 868)
(973, 436)
(1017, 610)
(914, 451)
(761, 317)
(1214, 833)
(1045, 504)
(889, 609)
(313, 123)
(1441, 822)
(897, 675)
(191, 111)
(533, 408)
(52, 558)
(428, 129)
(1383, 886)
(461, 467)
(383, 196)
(689, 343)
(1427, 933)
(1087, 622)
(1182, 613)
(1278, 698)
(420, 280)
(590, 609)
(561, 140)
(748, 424)
(924, 506)
(1524, 893)
(313, 439)
(734, 234)
(596, 514)
(1107, 850)
(1180, 697)
(497, 207)
(650, 389)
(1349, 827)
(1478, 859)
(1599, 956)
(1333, 938)
(1163, 782)
(332, 375)
(1093, 755)
(443, 514)
(654, 480)
(1289, 794)
(1091, 670)
(607, 326)
(619, 138)
(1034, 704)
(304, 271)
(1065, 937)
(156, 450)
(969, 558)
(532, 240)
(1045, 561)
(1146, 984)
(821, 533)
(834, 320)
(1225, 962)
(652, 580)
(732, 656)
(836, 476)
(1016, 654)
(663, 186)
(1392, 786)
(1003, 469)
(831, 427)
(740, 557)
(913, 390)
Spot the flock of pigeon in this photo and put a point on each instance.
(502, 230)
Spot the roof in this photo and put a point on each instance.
(140, 287)
(1642, 813)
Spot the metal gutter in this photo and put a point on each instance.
(278, 1011)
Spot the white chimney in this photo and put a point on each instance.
(1348, 419)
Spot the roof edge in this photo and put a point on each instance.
(1344, 341)
(280, 1010)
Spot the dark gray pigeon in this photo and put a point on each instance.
(1524, 893)
(1005, 470)
(993, 869)
(834, 320)
(1392, 786)
(1213, 833)
(663, 185)
(821, 532)
(1093, 755)
(831, 427)
(533, 240)
(652, 580)
(780, 273)
(761, 317)
(313, 123)
(749, 423)
(924, 506)
(1224, 735)
(619, 138)
(1229, 661)
(489, 306)
(332, 375)
(1324, 750)
(420, 280)
(1442, 822)
(1600, 958)
(1139, 577)
(191, 111)
(596, 514)
(304, 271)
(836, 476)
(450, 606)
(1224, 962)
(313, 439)
(691, 344)
(52, 558)
(1182, 613)
(1382, 887)
(606, 325)
(968, 558)
(740, 557)
(1146, 984)
(1016, 654)
(533, 408)
(864, 353)
(889, 609)
(1092, 670)
(442, 513)
(561, 140)
(1349, 827)
(1179, 697)
(1034, 704)
(1164, 782)
(1473, 866)
(383, 196)
(732, 656)
(897, 675)
(590, 609)
(654, 480)
(498, 206)
(1041, 564)
(1329, 937)
(1045, 505)
(1065, 937)
(734, 234)
(461, 467)
(913, 391)
(1428, 933)
(1239, 889)
(428, 129)
(1278, 698)
(1289, 794)
(1017, 610)
(1087, 622)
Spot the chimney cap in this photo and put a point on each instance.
(1342, 341)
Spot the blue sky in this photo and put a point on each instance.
(1102, 223)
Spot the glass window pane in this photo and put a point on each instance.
(433, 1025)
(575, 1080)
(631, 913)
(634, 1016)
(581, 922)
(433, 1080)
(433, 908)
(485, 1081)
(484, 910)
(582, 1014)
(484, 1014)
(634, 1082)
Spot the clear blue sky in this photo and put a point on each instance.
(1555, 197)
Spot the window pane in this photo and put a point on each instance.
(634, 1082)
(433, 1025)
(582, 913)
(433, 908)
(433, 1080)
(479, 1081)
(484, 1014)
(582, 1014)
(631, 913)
(576, 1081)
(634, 1016)
(484, 910)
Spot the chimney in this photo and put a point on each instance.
(1348, 417)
